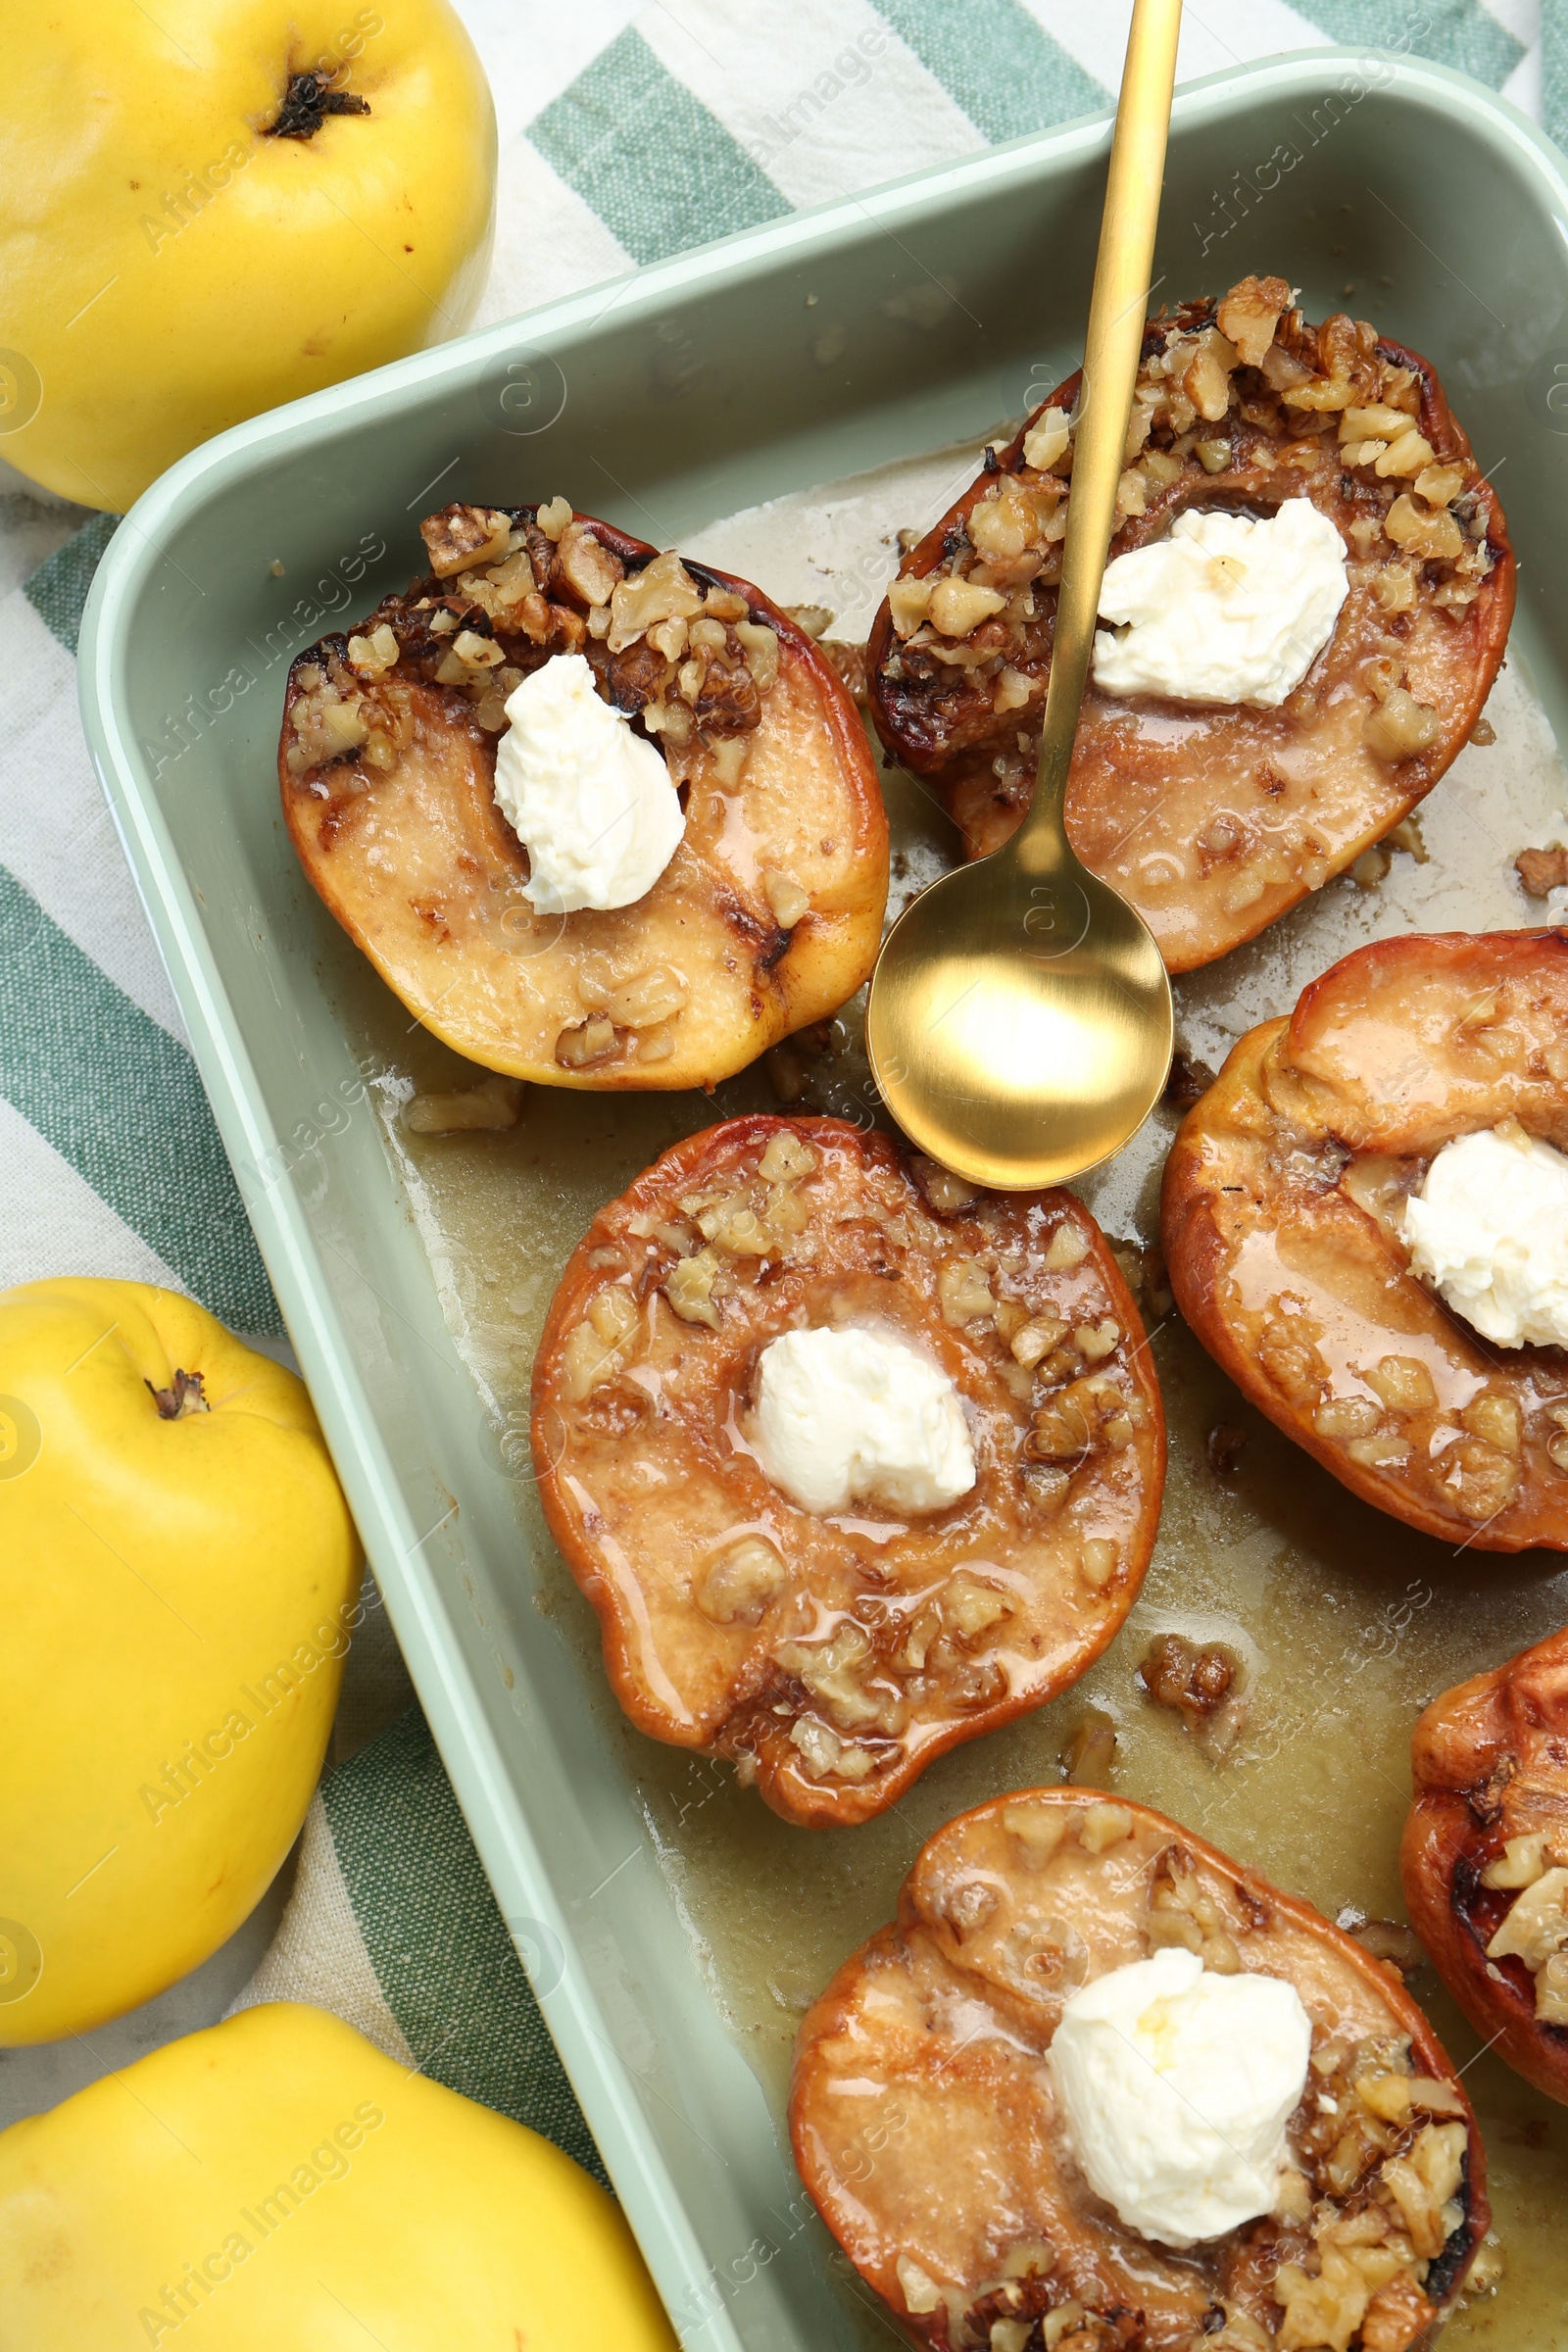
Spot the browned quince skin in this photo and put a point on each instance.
(1487, 1830)
(833, 1657)
(768, 914)
(1213, 822)
(1280, 1216)
(924, 2126)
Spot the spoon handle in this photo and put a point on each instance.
(1116, 312)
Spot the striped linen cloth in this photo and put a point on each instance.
(627, 132)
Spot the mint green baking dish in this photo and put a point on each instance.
(684, 392)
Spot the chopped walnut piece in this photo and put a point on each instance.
(1047, 439)
(596, 1350)
(958, 606)
(1250, 313)
(1400, 728)
(689, 1287)
(948, 1194)
(1067, 1247)
(373, 654)
(1194, 1683)
(1091, 1748)
(1090, 1415)
(759, 645)
(476, 652)
(1103, 1825)
(788, 902)
(663, 590)
(909, 601)
(742, 1583)
(965, 1290)
(1541, 870)
(646, 999)
(587, 565)
(1398, 1947)
(495, 1102)
(583, 1043)
(461, 536)
(1184, 1911)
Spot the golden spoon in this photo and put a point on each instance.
(1019, 1024)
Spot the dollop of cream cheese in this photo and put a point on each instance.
(1489, 1227)
(846, 1416)
(1175, 2085)
(591, 803)
(1227, 609)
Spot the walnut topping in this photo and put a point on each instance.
(959, 605)
(373, 656)
(582, 1044)
(494, 1103)
(689, 1287)
(1477, 1478)
(825, 1756)
(1089, 1416)
(586, 565)
(1046, 441)
(461, 536)
(663, 590)
(597, 1348)
(964, 1289)
(1184, 1910)
(786, 1158)
(1250, 313)
(1196, 1683)
(1400, 727)
(948, 1194)
(787, 900)
(742, 1584)
(1090, 1749)
(1541, 870)
(646, 999)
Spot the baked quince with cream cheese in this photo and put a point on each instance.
(1365, 1219)
(1485, 1856)
(1308, 596)
(600, 819)
(1100, 2089)
(852, 1461)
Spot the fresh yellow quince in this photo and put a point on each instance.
(213, 206)
(275, 2184)
(178, 1576)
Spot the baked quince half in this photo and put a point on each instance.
(1258, 732)
(853, 1462)
(1363, 1218)
(1485, 1856)
(765, 918)
(1098, 2089)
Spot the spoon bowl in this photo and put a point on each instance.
(1020, 1022)
(1021, 1025)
